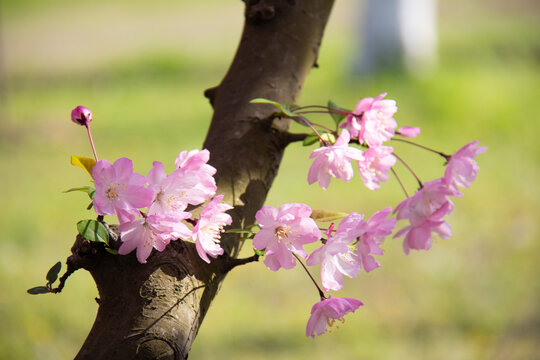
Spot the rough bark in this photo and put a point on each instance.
(153, 311)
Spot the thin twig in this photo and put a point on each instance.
(308, 123)
(62, 281)
(410, 170)
(399, 181)
(321, 293)
(447, 157)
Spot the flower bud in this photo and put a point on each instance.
(408, 131)
(81, 115)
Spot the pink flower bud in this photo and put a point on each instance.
(81, 115)
(408, 131)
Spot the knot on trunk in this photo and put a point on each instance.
(263, 11)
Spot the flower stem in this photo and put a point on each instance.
(447, 157)
(308, 123)
(324, 127)
(321, 293)
(399, 181)
(410, 170)
(328, 109)
(91, 141)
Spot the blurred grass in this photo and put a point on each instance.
(474, 296)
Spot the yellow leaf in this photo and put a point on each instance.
(83, 162)
(327, 215)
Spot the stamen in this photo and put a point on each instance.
(349, 255)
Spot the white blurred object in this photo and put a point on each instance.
(399, 34)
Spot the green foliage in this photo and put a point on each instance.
(52, 274)
(39, 290)
(87, 189)
(337, 117)
(93, 230)
(258, 252)
(284, 109)
(310, 140)
(51, 277)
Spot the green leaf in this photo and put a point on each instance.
(93, 230)
(258, 252)
(87, 189)
(52, 275)
(238, 231)
(285, 109)
(83, 162)
(310, 140)
(327, 215)
(338, 118)
(38, 290)
(111, 251)
(252, 226)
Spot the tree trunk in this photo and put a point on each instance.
(154, 310)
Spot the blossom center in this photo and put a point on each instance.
(349, 255)
(332, 321)
(215, 230)
(282, 234)
(172, 201)
(112, 192)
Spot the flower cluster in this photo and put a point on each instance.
(370, 125)
(164, 198)
(426, 209)
(156, 209)
(351, 247)
(344, 251)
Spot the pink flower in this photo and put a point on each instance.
(425, 210)
(333, 161)
(430, 202)
(419, 237)
(208, 229)
(175, 191)
(372, 121)
(173, 221)
(284, 232)
(118, 188)
(462, 169)
(127, 215)
(374, 167)
(81, 115)
(408, 131)
(337, 256)
(351, 227)
(152, 231)
(377, 228)
(327, 311)
(195, 160)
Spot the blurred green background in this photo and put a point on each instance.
(142, 67)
